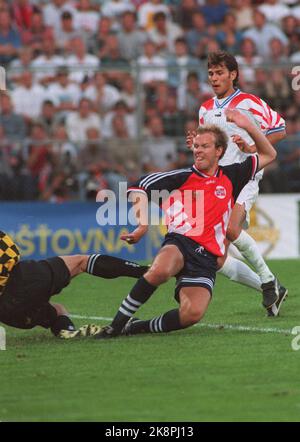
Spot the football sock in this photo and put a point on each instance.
(62, 322)
(249, 250)
(160, 324)
(139, 294)
(110, 267)
(236, 270)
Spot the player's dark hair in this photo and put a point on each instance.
(221, 139)
(226, 59)
(180, 40)
(128, 12)
(159, 15)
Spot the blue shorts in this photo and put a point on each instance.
(200, 266)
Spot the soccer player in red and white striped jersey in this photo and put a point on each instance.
(223, 75)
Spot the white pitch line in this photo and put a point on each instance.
(94, 318)
(232, 327)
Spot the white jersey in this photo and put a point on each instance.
(268, 120)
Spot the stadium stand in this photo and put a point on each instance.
(86, 77)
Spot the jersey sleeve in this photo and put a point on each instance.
(276, 122)
(241, 173)
(207, 105)
(270, 120)
(202, 111)
(168, 181)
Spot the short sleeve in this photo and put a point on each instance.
(161, 181)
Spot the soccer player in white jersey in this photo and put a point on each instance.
(223, 75)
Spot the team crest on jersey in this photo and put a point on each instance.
(220, 192)
(200, 250)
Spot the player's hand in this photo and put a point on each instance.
(235, 116)
(135, 236)
(190, 138)
(242, 144)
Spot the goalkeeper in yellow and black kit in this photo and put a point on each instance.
(27, 286)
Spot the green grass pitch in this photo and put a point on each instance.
(205, 373)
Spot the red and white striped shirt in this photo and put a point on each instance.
(268, 120)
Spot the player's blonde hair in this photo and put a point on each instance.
(221, 139)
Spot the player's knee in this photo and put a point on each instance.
(195, 314)
(157, 276)
(82, 262)
(191, 314)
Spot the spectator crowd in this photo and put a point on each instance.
(99, 91)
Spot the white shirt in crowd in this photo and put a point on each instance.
(59, 94)
(262, 38)
(110, 95)
(155, 74)
(130, 99)
(115, 8)
(88, 21)
(77, 126)
(52, 14)
(79, 68)
(28, 102)
(45, 67)
(173, 32)
(275, 13)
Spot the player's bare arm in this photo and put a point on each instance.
(265, 150)
(140, 205)
(276, 137)
(245, 147)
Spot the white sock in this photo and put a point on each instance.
(249, 249)
(236, 270)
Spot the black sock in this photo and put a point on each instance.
(110, 267)
(138, 295)
(62, 323)
(160, 324)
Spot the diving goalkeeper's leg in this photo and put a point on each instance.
(104, 266)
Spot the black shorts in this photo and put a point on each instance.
(200, 266)
(24, 302)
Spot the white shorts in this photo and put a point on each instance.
(248, 196)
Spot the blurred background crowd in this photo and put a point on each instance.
(101, 91)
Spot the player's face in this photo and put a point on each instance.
(221, 80)
(206, 155)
